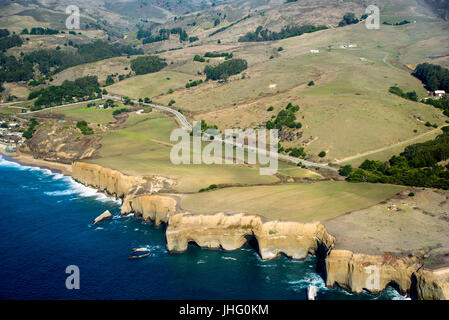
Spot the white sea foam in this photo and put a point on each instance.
(229, 258)
(74, 187)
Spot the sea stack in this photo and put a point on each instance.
(104, 216)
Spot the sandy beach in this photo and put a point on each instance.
(27, 159)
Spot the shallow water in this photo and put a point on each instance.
(45, 226)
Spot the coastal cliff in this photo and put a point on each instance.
(115, 183)
(232, 231)
(353, 272)
(105, 180)
(356, 272)
(432, 285)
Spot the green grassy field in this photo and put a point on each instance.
(143, 148)
(81, 112)
(293, 202)
(151, 85)
(349, 110)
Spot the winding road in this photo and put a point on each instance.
(188, 126)
(185, 123)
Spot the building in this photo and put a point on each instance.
(439, 93)
(314, 51)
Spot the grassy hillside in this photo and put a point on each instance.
(293, 202)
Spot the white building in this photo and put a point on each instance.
(314, 51)
(439, 93)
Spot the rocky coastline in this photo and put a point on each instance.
(353, 272)
(147, 198)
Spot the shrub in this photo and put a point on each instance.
(84, 127)
(322, 154)
(225, 69)
(116, 112)
(345, 170)
(147, 64)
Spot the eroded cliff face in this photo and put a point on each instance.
(353, 272)
(232, 231)
(150, 207)
(356, 272)
(105, 180)
(432, 285)
(115, 183)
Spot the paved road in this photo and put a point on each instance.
(185, 123)
(188, 126)
(177, 114)
(61, 106)
(408, 141)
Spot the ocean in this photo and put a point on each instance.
(45, 226)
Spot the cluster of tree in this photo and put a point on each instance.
(225, 69)
(442, 104)
(40, 31)
(348, 18)
(84, 127)
(4, 33)
(194, 83)
(406, 95)
(28, 134)
(205, 126)
(9, 42)
(147, 64)
(229, 26)
(397, 23)
(198, 58)
(285, 118)
(181, 32)
(164, 34)
(262, 34)
(209, 188)
(86, 88)
(416, 166)
(116, 112)
(193, 39)
(218, 55)
(433, 76)
(110, 80)
(13, 70)
(53, 61)
(296, 152)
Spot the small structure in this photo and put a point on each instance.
(393, 207)
(439, 93)
(314, 51)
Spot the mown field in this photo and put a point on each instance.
(142, 147)
(293, 202)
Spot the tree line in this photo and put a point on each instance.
(147, 64)
(50, 61)
(416, 166)
(164, 34)
(225, 69)
(10, 42)
(433, 76)
(262, 34)
(86, 88)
